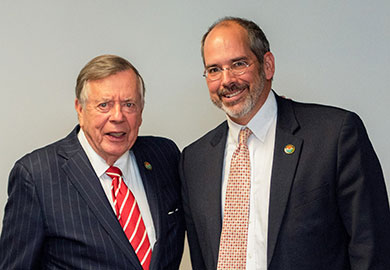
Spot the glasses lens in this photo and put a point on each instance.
(214, 76)
(239, 67)
(213, 73)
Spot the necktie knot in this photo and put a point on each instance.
(114, 172)
(244, 135)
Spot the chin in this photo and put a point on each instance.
(242, 111)
(116, 152)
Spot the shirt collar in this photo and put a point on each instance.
(98, 163)
(260, 123)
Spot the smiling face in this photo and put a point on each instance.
(112, 114)
(240, 96)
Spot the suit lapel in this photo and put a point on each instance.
(150, 182)
(215, 159)
(85, 181)
(283, 170)
(151, 185)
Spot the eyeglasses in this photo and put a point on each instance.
(236, 68)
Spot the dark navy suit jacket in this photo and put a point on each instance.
(328, 205)
(58, 217)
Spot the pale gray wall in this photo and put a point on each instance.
(333, 52)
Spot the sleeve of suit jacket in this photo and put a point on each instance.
(362, 198)
(193, 242)
(22, 235)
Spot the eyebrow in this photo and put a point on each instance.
(101, 100)
(107, 100)
(129, 100)
(232, 61)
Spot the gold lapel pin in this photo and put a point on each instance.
(289, 149)
(148, 166)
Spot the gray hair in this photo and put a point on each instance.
(101, 67)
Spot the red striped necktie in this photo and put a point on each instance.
(129, 217)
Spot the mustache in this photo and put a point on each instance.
(231, 88)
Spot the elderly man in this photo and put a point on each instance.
(103, 197)
(280, 185)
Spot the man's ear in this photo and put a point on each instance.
(79, 109)
(269, 65)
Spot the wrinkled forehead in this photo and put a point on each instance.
(128, 77)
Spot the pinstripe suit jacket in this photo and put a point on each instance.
(58, 216)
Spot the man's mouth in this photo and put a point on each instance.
(233, 91)
(233, 94)
(116, 134)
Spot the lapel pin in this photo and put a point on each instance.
(148, 166)
(289, 149)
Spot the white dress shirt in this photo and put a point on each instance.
(131, 176)
(261, 149)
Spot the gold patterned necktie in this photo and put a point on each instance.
(234, 236)
(129, 217)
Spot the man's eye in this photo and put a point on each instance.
(213, 70)
(129, 104)
(239, 64)
(103, 105)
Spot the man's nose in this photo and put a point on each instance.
(116, 113)
(227, 77)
